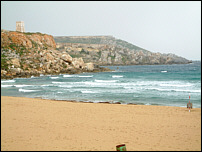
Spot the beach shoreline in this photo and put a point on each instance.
(42, 124)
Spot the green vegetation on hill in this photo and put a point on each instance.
(112, 51)
(4, 64)
(30, 33)
(78, 40)
(108, 40)
(129, 45)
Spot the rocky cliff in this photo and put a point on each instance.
(107, 50)
(27, 54)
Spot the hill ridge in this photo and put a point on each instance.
(108, 50)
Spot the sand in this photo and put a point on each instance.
(37, 124)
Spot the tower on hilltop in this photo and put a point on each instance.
(20, 26)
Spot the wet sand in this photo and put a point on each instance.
(37, 124)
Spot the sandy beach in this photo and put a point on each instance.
(37, 124)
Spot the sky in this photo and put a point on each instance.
(157, 26)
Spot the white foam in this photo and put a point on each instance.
(23, 90)
(176, 90)
(47, 85)
(58, 82)
(23, 85)
(68, 76)
(199, 91)
(5, 86)
(65, 86)
(86, 76)
(164, 71)
(176, 85)
(106, 81)
(54, 77)
(125, 87)
(118, 71)
(5, 81)
(99, 84)
(88, 91)
(117, 76)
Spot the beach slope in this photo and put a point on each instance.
(37, 124)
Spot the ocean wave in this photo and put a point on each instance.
(58, 82)
(54, 77)
(118, 71)
(68, 76)
(47, 85)
(176, 85)
(5, 86)
(164, 71)
(65, 86)
(197, 91)
(117, 76)
(99, 85)
(175, 90)
(23, 90)
(80, 76)
(128, 87)
(106, 81)
(22, 85)
(88, 91)
(85, 76)
(158, 83)
(5, 81)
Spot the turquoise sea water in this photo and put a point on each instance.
(168, 85)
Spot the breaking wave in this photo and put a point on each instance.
(106, 81)
(5, 81)
(117, 76)
(23, 90)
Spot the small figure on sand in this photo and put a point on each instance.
(189, 104)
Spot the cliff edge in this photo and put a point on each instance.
(32, 54)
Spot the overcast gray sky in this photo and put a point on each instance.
(158, 26)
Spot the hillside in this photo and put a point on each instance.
(107, 50)
(33, 54)
(108, 40)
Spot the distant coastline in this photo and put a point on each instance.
(107, 50)
(26, 54)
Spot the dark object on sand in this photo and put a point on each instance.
(121, 147)
(189, 105)
(117, 103)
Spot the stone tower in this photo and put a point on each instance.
(20, 27)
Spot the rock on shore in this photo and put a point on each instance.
(27, 54)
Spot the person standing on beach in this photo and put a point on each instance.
(189, 104)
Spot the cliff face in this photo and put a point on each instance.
(27, 40)
(27, 54)
(107, 50)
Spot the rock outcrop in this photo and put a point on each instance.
(107, 50)
(27, 54)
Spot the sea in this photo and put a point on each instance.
(163, 85)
